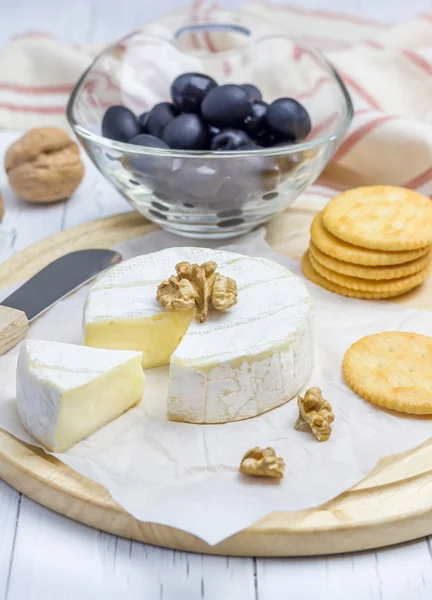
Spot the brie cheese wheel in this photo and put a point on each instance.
(238, 363)
(66, 392)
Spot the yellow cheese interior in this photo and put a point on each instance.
(157, 337)
(86, 409)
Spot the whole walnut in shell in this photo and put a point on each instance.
(44, 165)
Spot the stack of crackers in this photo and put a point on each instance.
(371, 242)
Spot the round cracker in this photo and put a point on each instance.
(332, 246)
(364, 272)
(392, 369)
(315, 277)
(399, 286)
(381, 217)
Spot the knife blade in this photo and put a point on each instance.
(55, 281)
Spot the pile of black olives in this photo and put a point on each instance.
(206, 116)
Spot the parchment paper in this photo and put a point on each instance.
(185, 475)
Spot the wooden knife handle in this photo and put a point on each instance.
(13, 328)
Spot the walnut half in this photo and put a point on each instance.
(262, 462)
(224, 294)
(315, 412)
(196, 286)
(176, 295)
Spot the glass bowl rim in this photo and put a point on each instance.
(169, 152)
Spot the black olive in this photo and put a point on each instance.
(230, 139)
(189, 89)
(253, 91)
(288, 119)
(186, 132)
(120, 124)
(255, 121)
(226, 106)
(158, 118)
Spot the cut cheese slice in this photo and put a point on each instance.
(235, 365)
(66, 392)
(119, 319)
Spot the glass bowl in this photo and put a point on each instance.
(208, 194)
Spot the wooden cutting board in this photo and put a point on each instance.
(393, 504)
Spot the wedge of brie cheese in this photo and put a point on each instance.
(66, 392)
(238, 363)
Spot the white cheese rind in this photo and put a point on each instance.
(48, 371)
(238, 363)
(248, 385)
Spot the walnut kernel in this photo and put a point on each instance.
(224, 294)
(197, 286)
(315, 412)
(262, 462)
(175, 295)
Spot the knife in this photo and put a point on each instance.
(43, 290)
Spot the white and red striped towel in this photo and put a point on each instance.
(388, 71)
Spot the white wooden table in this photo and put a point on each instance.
(44, 556)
